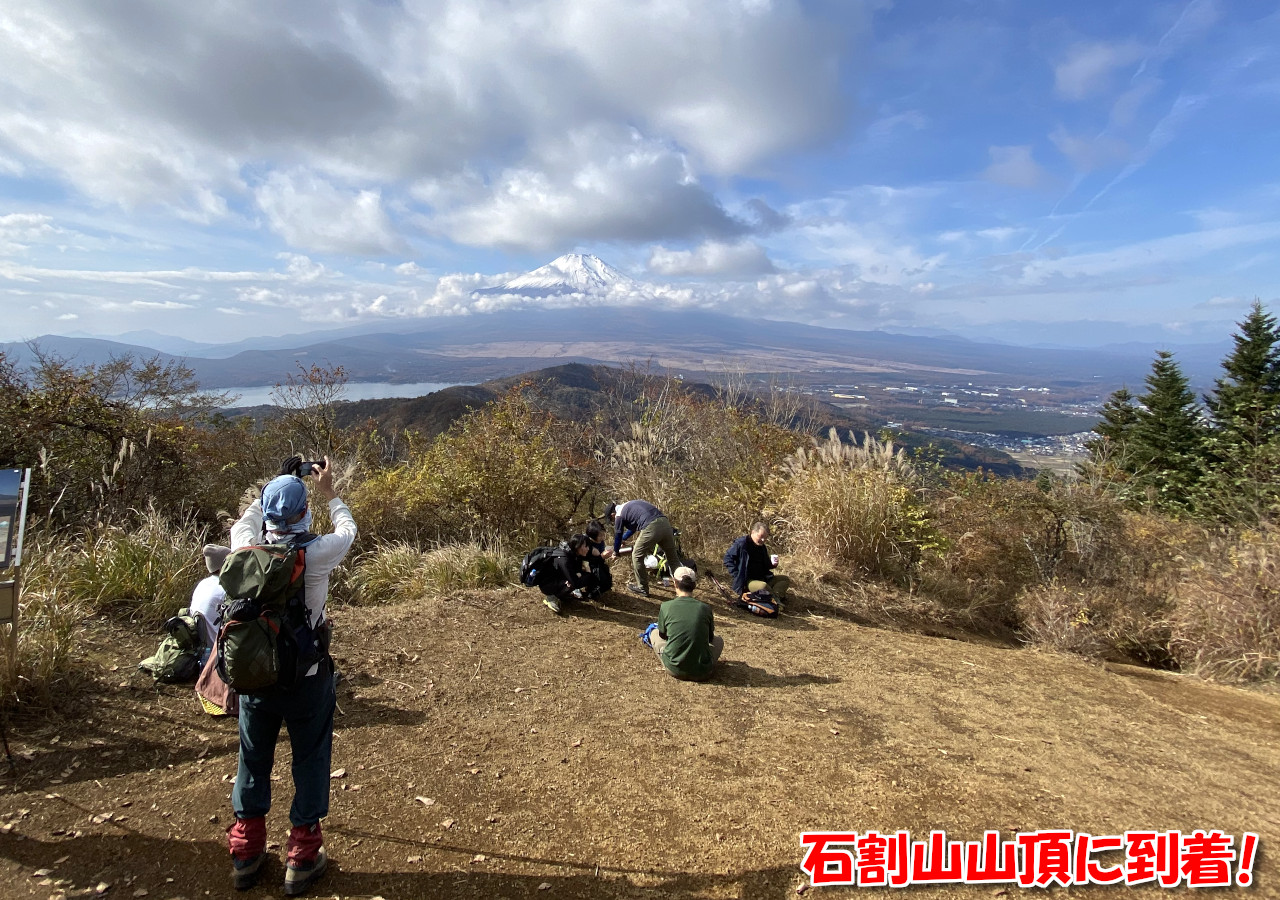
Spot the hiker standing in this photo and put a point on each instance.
(652, 530)
(751, 565)
(306, 710)
(684, 636)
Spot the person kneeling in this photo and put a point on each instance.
(568, 578)
(685, 639)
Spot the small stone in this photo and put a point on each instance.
(213, 819)
(41, 873)
(478, 858)
(447, 824)
(415, 859)
(141, 892)
(474, 771)
(425, 801)
(545, 886)
(578, 742)
(102, 888)
(800, 889)
(338, 773)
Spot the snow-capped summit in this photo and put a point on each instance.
(573, 273)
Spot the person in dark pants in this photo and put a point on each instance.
(568, 578)
(306, 710)
(596, 562)
(652, 530)
(750, 565)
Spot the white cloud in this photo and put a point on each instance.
(1014, 167)
(741, 259)
(339, 109)
(20, 230)
(313, 214)
(1089, 154)
(606, 184)
(1088, 67)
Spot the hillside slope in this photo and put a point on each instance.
(554, 751)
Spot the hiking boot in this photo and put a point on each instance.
(247, 840)
(246, 872)
(552, 604)
(306, 859)
(637, 589)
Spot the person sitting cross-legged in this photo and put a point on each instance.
(751, 566)
(685, 639)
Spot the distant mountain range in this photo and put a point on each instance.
(479, 347)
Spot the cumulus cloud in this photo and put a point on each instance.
(736, 260)
(19, 230)
(600, 183)
(1088, 67)
(1014, 167)
(196, 108)
(313, 214)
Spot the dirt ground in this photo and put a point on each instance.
(486, 748)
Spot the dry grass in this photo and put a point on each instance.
(400, 572)
(857, 507)
(1227, 619)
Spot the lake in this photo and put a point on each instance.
(363, 390)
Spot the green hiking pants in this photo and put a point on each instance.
(778, 585)
(657, 533)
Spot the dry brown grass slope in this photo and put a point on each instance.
(555, 751)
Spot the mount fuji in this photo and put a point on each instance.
(573, 273)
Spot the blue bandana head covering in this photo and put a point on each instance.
(283, 498)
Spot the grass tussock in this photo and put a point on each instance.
(1227, 619)
(858, 507)
(401, 573)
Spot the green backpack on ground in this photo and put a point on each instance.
(266, 640)
(178, 657)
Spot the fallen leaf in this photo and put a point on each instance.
(479, 857)
(41, 873)
(141, 892)
(447, 824)
(415, 859)
(425, 801)
(338, 773)
(578, 742)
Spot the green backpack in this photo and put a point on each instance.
(178, 657)
(266, 640)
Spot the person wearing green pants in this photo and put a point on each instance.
(651, 528)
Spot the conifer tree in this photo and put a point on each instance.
(1244, 444)
(1109, 457)
(1168, 438)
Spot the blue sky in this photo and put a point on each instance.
(1028, 171)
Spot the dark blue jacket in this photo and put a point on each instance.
(747, 561)
(632, 516)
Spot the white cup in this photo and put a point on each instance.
(773, 560)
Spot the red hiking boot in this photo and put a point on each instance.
(305, 859)
(247, 841)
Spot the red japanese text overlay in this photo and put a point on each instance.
(1030, 859)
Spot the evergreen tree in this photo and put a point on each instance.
(1168, 439)
(1244, 445)
(1109, 457)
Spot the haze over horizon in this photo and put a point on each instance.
(1019, 172)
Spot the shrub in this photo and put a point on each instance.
(708, 467)
(857, 506)
(497, 476)
(1226, 623)
(400, 572)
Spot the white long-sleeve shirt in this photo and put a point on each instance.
(323, 554)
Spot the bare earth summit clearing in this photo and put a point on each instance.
(486, 748)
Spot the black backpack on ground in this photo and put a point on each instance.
(538, 564)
